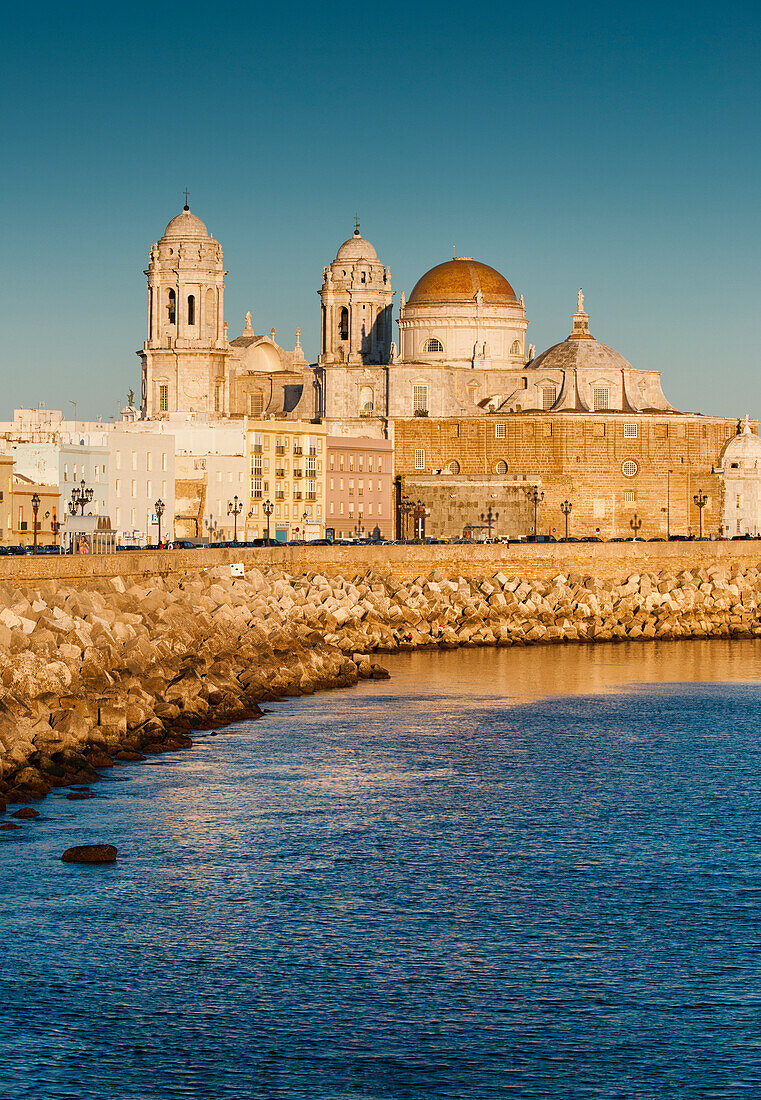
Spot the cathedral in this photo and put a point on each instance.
(486, 433)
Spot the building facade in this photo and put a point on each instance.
(285, 461)
(141, 471)
(359, 488)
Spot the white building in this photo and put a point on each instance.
(141, 471)
(741, 466)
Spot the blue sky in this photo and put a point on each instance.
(568, 145)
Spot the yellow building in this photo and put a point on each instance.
(285, 460)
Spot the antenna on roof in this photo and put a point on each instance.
(186, 207)
(356, 224)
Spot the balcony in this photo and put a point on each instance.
(313, 450)
(298, 473)
(281, 450)
(257, 494)
(297, 495)
(256, 448)
(298, 450)
(280, 495)
(279, 471)
(310, 496)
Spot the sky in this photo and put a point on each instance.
(610, 147)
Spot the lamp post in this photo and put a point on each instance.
(407, 506)
(536, 497)
(490, 518)
(635, 524)
(267, 507)
(700, 500)
(80, 498)
(158, 508)
(234, 509)
(566, 508)
(35, 510)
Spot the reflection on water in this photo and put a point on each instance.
(518, 873)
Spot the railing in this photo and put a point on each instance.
(298, 473)
(279, 496)
(257, 494)
(310, 496)
(298, 450)
(257, 448)
(297, 495)
(279, 472)
(280, 449)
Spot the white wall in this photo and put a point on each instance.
(141, 470)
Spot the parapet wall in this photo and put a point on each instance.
(606, 561)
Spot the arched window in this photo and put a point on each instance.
(515, 347)
(366, 401)
(501, 467)
(191, 309)
(343, 325)
(454, 467)
(171, 308)
(433, 345)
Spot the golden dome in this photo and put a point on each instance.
(460, 280)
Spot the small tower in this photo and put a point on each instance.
(184, 356)
(356, 298)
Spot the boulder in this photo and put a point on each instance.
(90, 853)
(26, 812)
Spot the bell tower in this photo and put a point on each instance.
(184, 358)
(356, 299)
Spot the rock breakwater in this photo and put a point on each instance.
(95, 676)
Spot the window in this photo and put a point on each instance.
(134, 464)
(163, 460)
(149, 461)
(149, 489)
(601, 398)
(171, 308)
(191, 309)
(629, 498)
(454, 467)
(549, 396)
(515, 347)
(501, 467)
(499, 431)
(420, 400)
(343, 325)
(134, 489)
(727, 431)
(433, 346)
(419, 459)
(217, 398)
(630, 431)
(629, 468)
(255, 404)
(118, 486)
(380, 466)
(163, 399)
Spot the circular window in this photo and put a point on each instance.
(454, 467)
(629, 468)
(501, 467)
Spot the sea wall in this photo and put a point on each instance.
(533, 561)
(97, 673)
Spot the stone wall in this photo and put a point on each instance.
(534, 561)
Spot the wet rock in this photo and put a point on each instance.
(126, 756)
(90, 853)
(26, 812)
(7, 826)
(79, 796)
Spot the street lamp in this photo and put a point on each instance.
(267, 508)
(565, 508)
(635, 524)
(80, 498)
(234, 509)
(35, 510)
(536, 497)
(158, 508)
(489, 519)
(406, 506)
(700, 500)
